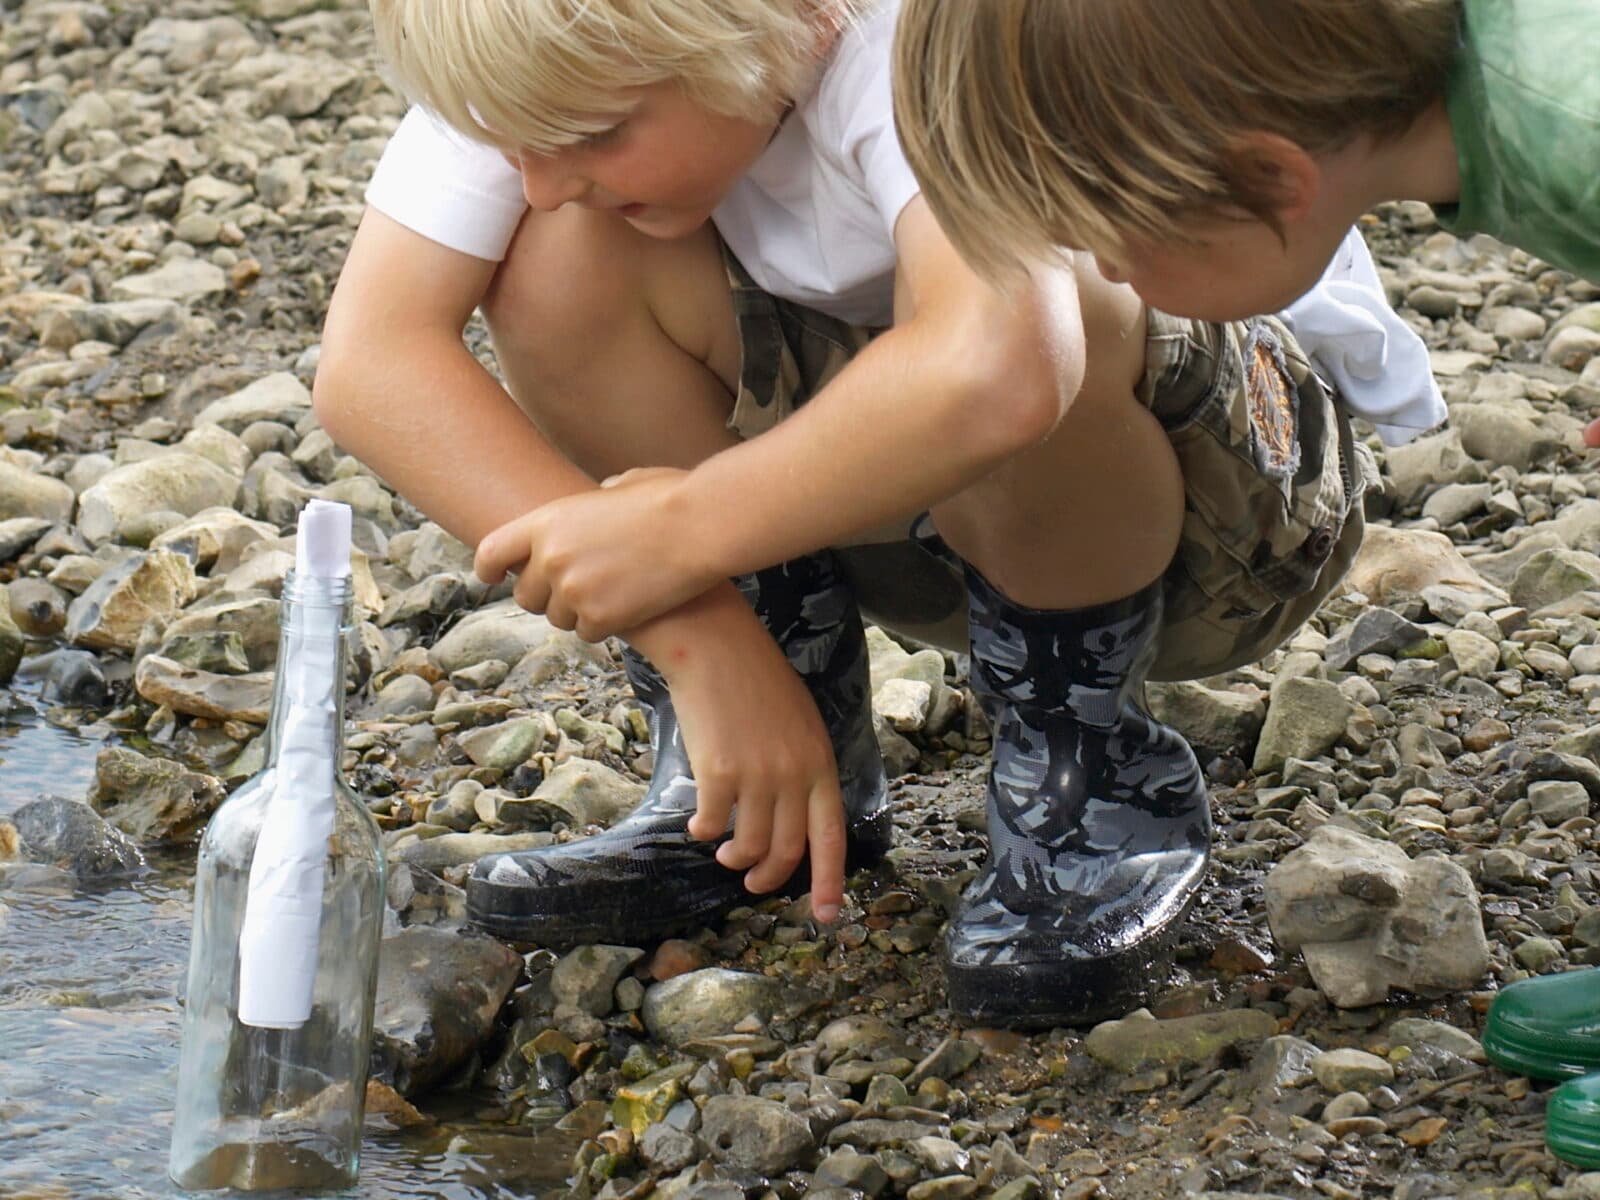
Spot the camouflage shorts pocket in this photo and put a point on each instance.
(1272, 475)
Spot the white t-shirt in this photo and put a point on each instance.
(812, 220)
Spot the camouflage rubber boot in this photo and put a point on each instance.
(645, 877)
(1099, 822)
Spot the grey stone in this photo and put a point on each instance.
(27, 494)
(578, 793)
(204, 693)
(1210, 718)
(1428, 463)
(1368, 918)
(153, 800)
(1555, 801)
(17, 534)
(1500, 434)
(1283, 1061)
(181, 280)
(253, 618)
(460, 849)
(457, 808)
(669, 1149)
(1457, 501)
(438, 995)
(1305, 717)
(70, 835)
(221, 653)
(430, 550)
(707, 1003)
(1374, 631)
(756, 1134)
(1416, 1031)
(1475, 655)
(276, 397)
(501, 630)
(507, 744)
(1554, 574)
(1350, 1071)
(145, 587)
(858, 1173)
(72, 677)
(586, 978)
(403, 695)
(1139, 1042)
(38, 607)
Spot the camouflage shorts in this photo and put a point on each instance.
(1273, 480)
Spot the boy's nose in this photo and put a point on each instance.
(547, 184)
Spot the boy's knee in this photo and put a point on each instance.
(558, 283)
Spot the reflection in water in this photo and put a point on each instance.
(39, 759)
(89, 1029)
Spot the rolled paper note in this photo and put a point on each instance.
(283, 909)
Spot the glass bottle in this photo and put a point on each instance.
(268, 1108)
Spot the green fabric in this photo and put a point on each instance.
(1524, 104)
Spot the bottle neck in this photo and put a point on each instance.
(314, 623)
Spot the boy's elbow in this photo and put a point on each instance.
(1021, 391)
(335, 393)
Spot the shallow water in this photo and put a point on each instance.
(89, 1026)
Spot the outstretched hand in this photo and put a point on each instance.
(601, 562)
(762, 757)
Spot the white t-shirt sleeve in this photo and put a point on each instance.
(1378, 363)
(451, 190)
(860, 94)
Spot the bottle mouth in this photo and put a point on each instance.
(318, 591)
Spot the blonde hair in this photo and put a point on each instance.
(544, 74)
(1038, 124)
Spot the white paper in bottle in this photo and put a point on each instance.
(283, 910)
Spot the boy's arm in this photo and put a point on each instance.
(397, 388)
(967, 378)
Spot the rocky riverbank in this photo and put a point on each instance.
(177, 186)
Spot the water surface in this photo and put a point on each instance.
(90, 1020)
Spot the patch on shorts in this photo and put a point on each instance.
(1274, 402)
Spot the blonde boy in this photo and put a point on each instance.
(711, 284)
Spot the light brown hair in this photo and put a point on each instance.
(1037, 124)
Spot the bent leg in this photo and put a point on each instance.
(1093, 512)
(1098, 819)
(625, 351)
(621, 348)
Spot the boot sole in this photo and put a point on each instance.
(1070, 992)
(1574, 1142)
(642, 907)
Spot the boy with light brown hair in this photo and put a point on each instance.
(1212, 153)
(749, 390)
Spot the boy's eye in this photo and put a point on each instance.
(605, 136)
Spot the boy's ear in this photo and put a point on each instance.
(1271, 166)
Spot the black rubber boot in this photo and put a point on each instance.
(1099, 822)
(645, 877)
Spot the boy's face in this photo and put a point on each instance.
(1223, 270)
(662, 167)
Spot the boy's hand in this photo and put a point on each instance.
(1591, 435)
(600, 562)
(759, 751)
